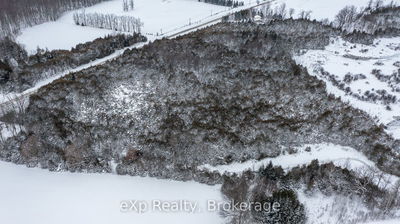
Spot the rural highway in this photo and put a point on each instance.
(9, 102)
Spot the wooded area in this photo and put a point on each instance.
(229, 3)
(16, 14)
(108, 21)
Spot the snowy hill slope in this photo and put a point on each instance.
(366, 76)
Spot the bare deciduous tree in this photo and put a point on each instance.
(22, 13)
(125, 5)
(346, 16)
(108, 21)
(291, 12)
(131, 4)
(305, 14)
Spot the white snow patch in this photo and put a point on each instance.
(158, 16)
(334, 209)
(341, 156)
(391, 221)
(58, 35)
(125, 100)
(325, 152)
(8, 131)
(128, 100)
(113, 166)
(39, 196)
(382, 55)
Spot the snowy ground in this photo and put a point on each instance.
(341, 156)
(46, 197)
(334, 209)
(8, 131)
(392, 221)
(322, 209)
(39, 196)
(341, 58)
(324, 9)
(158, 16)
(303, 155)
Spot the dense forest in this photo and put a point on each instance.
(16, 14)
(19, 72)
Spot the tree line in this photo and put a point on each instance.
(229, 3)
(367, 19)
(15, 15)
(267, 12)
(128, 5)
(108, 21)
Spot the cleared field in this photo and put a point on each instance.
(158, 16)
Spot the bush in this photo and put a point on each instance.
(290, 211)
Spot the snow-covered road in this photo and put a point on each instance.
(8, 100)
(325, 152)
(342, 156)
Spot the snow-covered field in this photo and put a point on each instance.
(342, 58)
(39, 196)
(158, 16)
